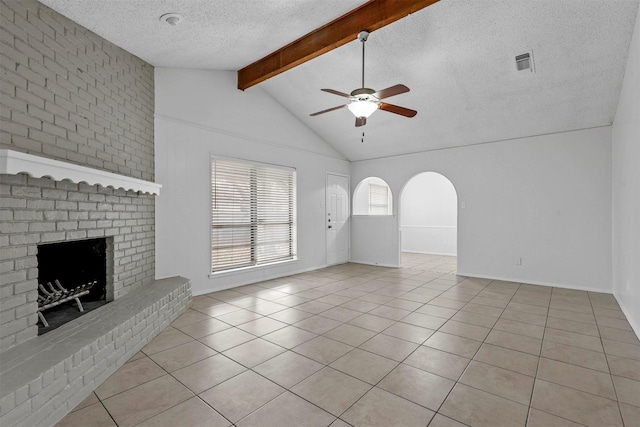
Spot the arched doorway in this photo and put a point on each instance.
(429, 223)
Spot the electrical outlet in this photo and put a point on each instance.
(519, 261)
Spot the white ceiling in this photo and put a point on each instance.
(457, 56)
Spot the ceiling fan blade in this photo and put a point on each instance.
(391, 91)
(327, 110)
(361, 121)
(335, 92)
(397, 110)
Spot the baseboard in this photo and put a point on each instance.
(252, 281)
(532, 282)
(635, 326)
(428, 253)
(374, 264)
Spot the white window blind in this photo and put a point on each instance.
(378, 199)
(253, 210)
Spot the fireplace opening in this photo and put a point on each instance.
(72, 280)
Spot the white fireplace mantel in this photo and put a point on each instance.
(14, 162)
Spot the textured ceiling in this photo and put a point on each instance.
(214, 34)
(457, 57)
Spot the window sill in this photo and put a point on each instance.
(252, 268)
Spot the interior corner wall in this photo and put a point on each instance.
(544, 199)
(201, 113)
(626, 188)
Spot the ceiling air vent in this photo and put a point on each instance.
(524, 62)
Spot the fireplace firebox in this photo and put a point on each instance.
(72, 279)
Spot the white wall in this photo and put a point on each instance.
(371, 236)
(626, 188)
(199, 113)
(361, 196)
(429, 215)
(545, 199)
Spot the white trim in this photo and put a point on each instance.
(252, 162)
(429, 226)
(256, 280)
(326, 209)
(533, 282)
(429, 253)
(372, 216)
(345, 176)
(246, 169)
(374, 264)
(630, 319)
(14, 162)
(249, 268)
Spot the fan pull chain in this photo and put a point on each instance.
(362, 139)
(363, 41)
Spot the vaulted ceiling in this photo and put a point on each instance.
(456, 56)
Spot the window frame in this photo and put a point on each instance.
(381, 207)
(255, 220)
(360, 199)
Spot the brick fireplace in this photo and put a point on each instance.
(46, 211)
(43, 377)
(69, 96)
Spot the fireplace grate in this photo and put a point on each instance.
(58, 294)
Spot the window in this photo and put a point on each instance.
(372, 197)
(253, 211)
(378, 199)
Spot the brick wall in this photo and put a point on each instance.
(44, 211)
(43, 379)
(68, 94)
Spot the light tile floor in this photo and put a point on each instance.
(371, 346)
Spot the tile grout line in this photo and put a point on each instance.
(535, 378)
(606, 357)
(473, 358)
(378, 333)
(397, 363)
(409, 355)
(394, 281)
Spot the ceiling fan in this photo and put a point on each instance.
(364, 101)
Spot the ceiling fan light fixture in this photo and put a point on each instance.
(364, 101)
(362, 108)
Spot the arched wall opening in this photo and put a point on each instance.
(372, 196)
(429, 215)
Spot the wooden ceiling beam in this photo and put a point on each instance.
(370, 16)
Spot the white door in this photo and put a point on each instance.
(337, 219)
